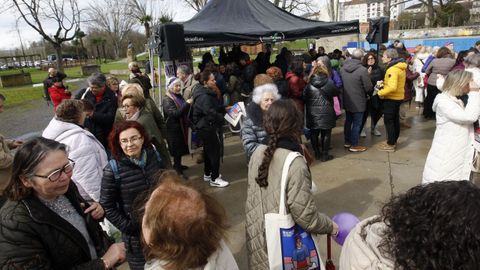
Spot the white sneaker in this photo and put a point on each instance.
(363, 134)
(376, 132)
(207, 178)
(219, 182)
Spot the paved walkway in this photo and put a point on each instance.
(353, 182)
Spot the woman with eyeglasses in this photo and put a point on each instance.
(135, 108)
(45, 224)
(126, 180)
(114, 84)
(374, 105)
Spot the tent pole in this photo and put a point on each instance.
(159, 82)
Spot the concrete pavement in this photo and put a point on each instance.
(353, 182)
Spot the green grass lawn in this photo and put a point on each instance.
(20, 94)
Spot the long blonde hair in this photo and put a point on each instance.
(456, 81)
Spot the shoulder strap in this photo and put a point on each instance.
(85, 93)
(157, 154)
(118, 183)
(286, 166)
(116, 175)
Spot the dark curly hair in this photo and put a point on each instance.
(434, 227)
(282, 120)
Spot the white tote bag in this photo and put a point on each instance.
(288, 245)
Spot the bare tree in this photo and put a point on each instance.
(142, 12)
(62, 13)
(332, 9)
(114, 17)
(296, 6)
(197, 4)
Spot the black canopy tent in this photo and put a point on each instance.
(227, 22)
(252, 21)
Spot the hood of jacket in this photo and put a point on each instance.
(351, 65)
(319, 80)
(254, 112)
(398, 63)
(290, 75)
(361, 248)
(58, 130)
(202, 90)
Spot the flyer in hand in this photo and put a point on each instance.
(234, 114)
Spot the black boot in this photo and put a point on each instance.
(318, 155)
(326, 156)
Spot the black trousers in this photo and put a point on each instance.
(212, 148)
(375, 112)
(324, 143)
(391, 118)
(432, 92)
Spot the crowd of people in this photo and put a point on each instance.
(103, 163)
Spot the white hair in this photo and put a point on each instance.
(265, 88)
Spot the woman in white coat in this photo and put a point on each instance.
(451, 154)
(418, 63)
(83, 148)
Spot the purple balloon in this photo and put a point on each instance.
(346, 222)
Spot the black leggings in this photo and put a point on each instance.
(212, 151)
(432, 92)
(375, 114)
(325, 137)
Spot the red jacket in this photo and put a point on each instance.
(296, 84)
(57, 94)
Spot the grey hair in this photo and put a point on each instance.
(472, 60)
(133, 65)
(391, 53)
(70, 111)
(357, 54)
(265, 88)
(97, 79)
(174, 82)
(184, 69)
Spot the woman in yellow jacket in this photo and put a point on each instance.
(392, 94)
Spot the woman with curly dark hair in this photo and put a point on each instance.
(420, 229)
(283, 125)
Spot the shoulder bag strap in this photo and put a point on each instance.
(286, 166)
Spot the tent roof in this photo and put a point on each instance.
(250, 21)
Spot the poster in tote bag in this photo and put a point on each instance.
(298, 250)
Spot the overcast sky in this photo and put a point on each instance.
(10, 38)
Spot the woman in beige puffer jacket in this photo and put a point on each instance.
(283, 125)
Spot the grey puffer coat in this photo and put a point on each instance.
(253, 133)
(318, 97)
(356, 85)
(260, 201)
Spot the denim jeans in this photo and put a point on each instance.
(351, 131)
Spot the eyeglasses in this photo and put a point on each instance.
(55, 175)
(133, 140)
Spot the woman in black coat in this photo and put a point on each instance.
(207, 120)
(126, 181)
(320, 115)
(374, 105)
(175, 110)
(46, 224)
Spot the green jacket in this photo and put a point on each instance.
(260, 201)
